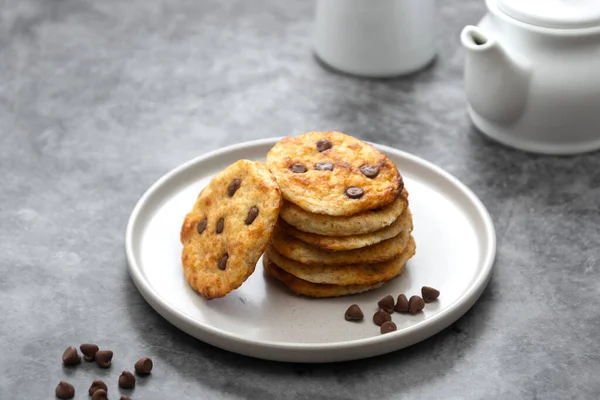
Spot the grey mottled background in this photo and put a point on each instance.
(100, 98)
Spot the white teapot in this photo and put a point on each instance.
(532, 74)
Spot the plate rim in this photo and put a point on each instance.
(211, 334)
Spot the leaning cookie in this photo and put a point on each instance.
(334, 174)
(229, 227)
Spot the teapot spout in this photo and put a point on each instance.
(496, 83)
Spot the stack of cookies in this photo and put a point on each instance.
(345, 225)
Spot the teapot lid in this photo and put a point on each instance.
(561, 14)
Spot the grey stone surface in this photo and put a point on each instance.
(100, 98)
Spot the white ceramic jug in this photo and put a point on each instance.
(375, 38)
(532, 74)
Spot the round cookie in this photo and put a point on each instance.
(309, 289)
(358, 224)
(342, 243)
(347, 274)
(300, 251)
(334, 174)
(227, 230)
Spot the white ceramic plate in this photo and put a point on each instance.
(456, 246)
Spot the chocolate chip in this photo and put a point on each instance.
(233, 187)
(220, 225)
(387, 327)
(202, 226)
(89, 351)
(252, 214)
(387, 304)
(103, 358)
(323, 145)
(97, 385)
(401, 304)
(143, 366)
(64, 390)
(354, 313)
(100, 394)
(380, 317)
(223, 262)
(70, 356)
(324, 166)
(354, 192)
(125, 398)
(297, 168)
(415, 304)
(126, 380)
(369, 171)
(429, 294)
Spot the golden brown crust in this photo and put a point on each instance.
(324, 191)
(347, 274)
(343, 243)
(309, 289)
(300, 251)
(243, 243)
(359, 224)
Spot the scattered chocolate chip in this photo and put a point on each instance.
(324, 166)
(415, 304)
(70, 356)
(125, 398)
(64, 390)
(220, 225)
(380, 317)
(233, 187)
(354, 313)
(126, 380)
(89, 351)
(103, 358)
(202, 226)
(401, 304)
(100, 394)
(252, 214)
(223, 262)
(323, 145)
(387, 327)
(429, 294)
(143, 366)
(354, 192)
(387, 304)
(369, 171)
(297, 168)
(97, 385)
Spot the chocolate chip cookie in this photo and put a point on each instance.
(333, 174)
(298, 250)
(228, 229)
(342, 243)
(358, 224)
(305, 288)
(345, 274)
